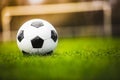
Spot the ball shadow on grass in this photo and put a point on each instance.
(37, 54)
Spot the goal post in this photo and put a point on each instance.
(10, 11)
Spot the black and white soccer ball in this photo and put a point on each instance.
(37, 36)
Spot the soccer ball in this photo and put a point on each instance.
(37, 36)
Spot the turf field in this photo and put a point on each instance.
(73, 59)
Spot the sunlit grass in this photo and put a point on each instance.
(74, 58)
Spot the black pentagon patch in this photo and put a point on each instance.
(37, 24)
(20, 36)
(54, 35)
(37, 42)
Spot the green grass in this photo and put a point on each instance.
(73, 59)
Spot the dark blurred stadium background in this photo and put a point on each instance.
(74, 24)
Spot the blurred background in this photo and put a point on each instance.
(92, 18)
